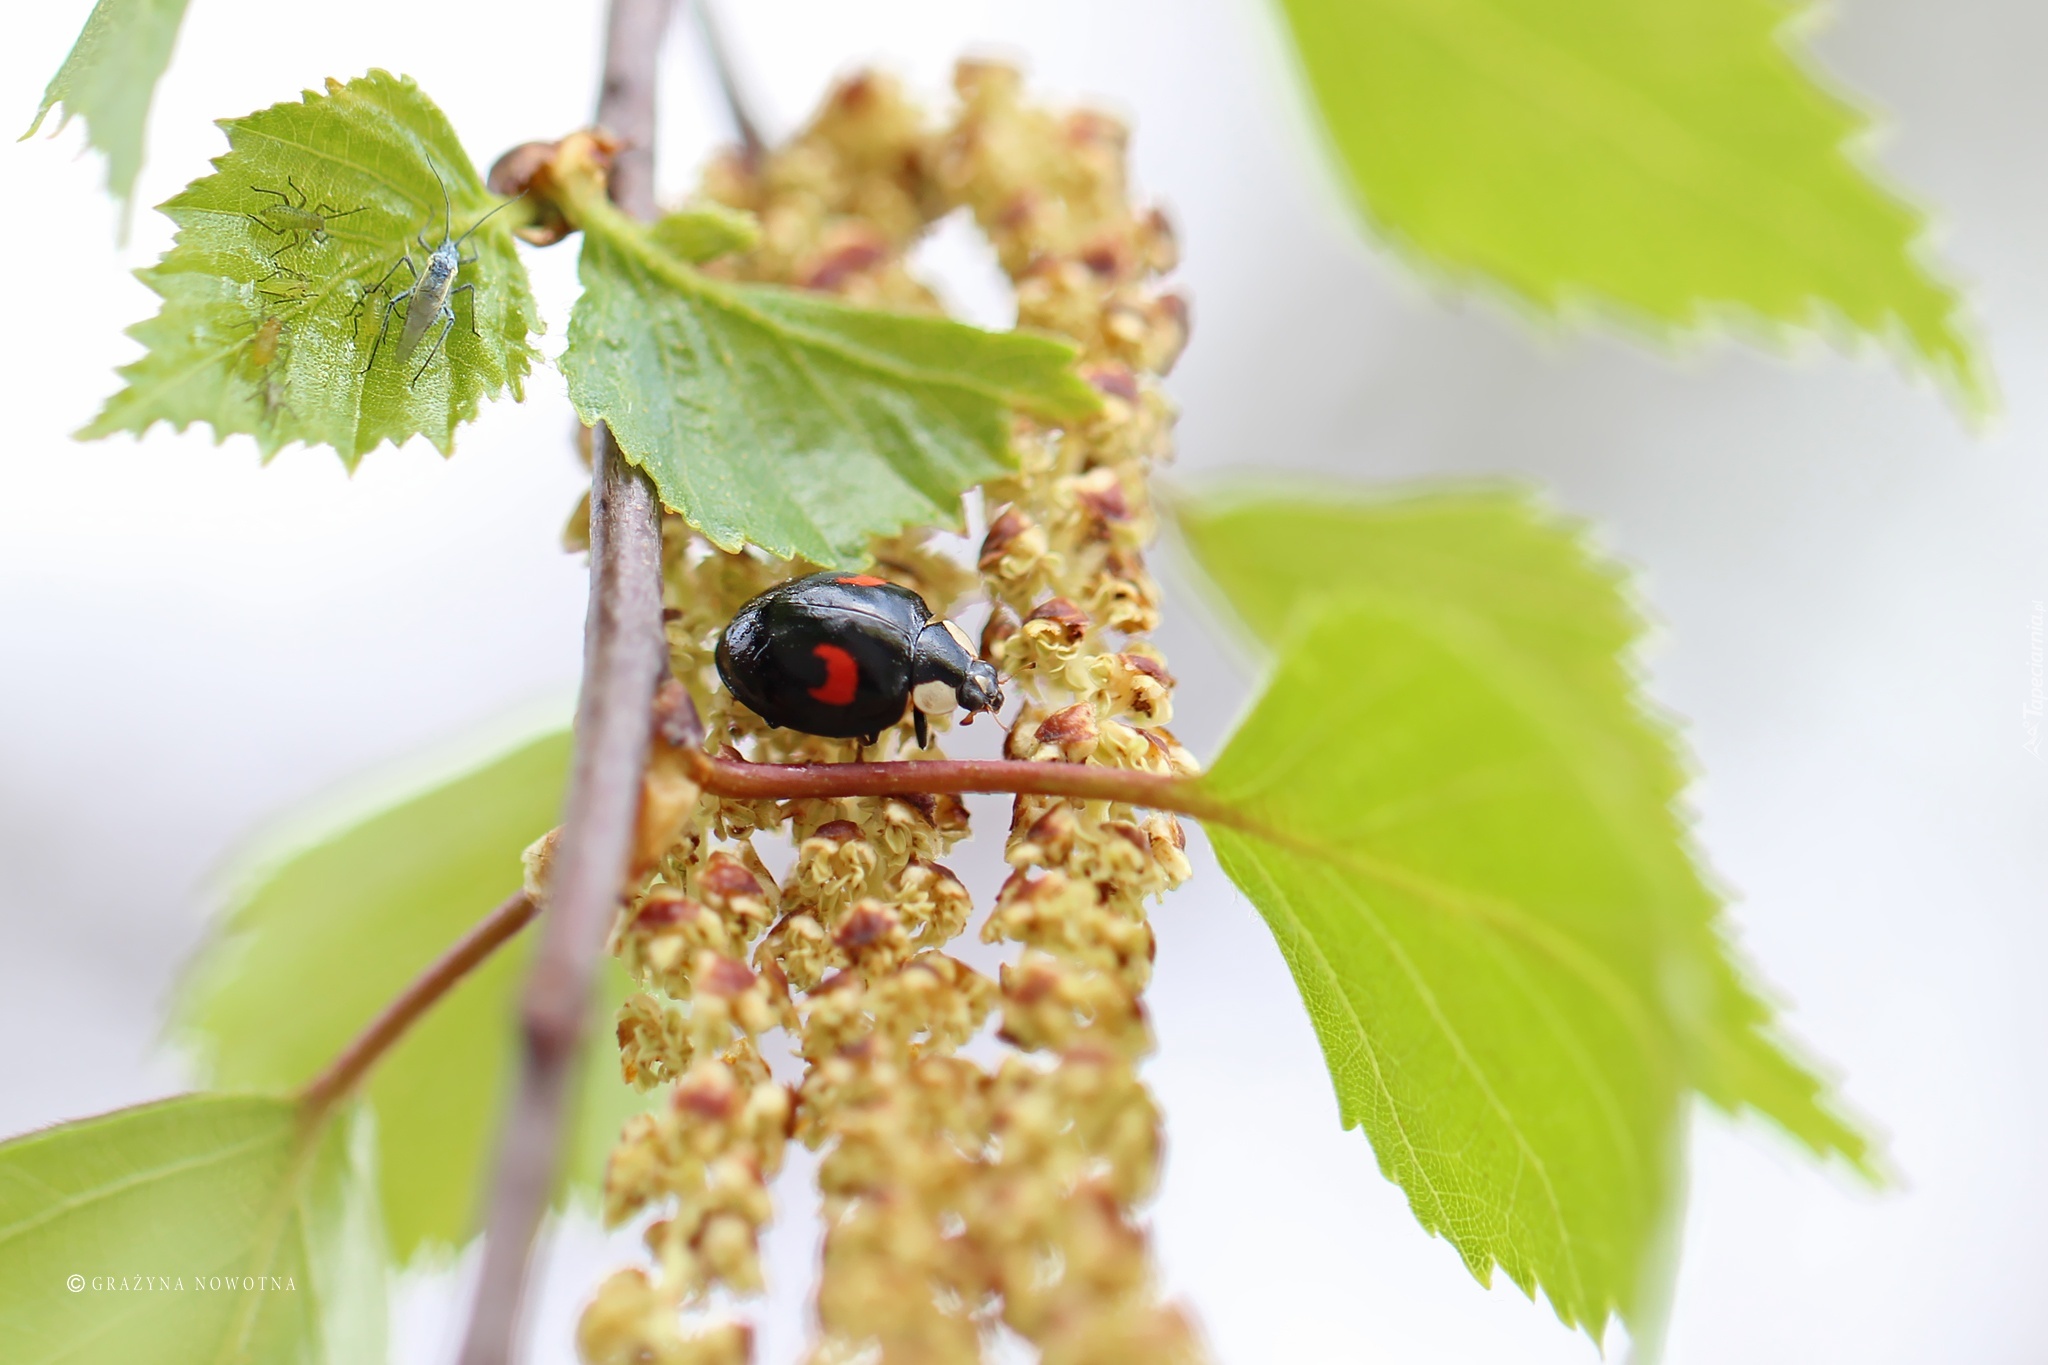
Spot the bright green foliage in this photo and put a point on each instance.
(1458, 819)
(790, 420)
(109, 79)
(192, 1191)
(311, 950)
(1672, 161)
(267, 329)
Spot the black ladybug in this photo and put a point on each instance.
(842, 655)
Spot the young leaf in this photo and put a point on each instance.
(1676, 163)
(798, 423)
(1457, 817)
(109, 79)
(201, 1230)
(288, 275)
(309, 952)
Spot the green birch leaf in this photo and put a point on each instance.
(201, 1230)
(1458, 817)
(1677, 164)
(110, 78)
(289, 266)
(790, 420)
(310, 950)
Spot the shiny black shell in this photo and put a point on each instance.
(830, 654)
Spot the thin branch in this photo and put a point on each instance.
(788, 781)
(744, 125)
(425, 991)
(632, 45)
(625, 655)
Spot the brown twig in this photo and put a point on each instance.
(625, 654)
(632, 43)
(423, 994)
(788, 781)
(744, 125)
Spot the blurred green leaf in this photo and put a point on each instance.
(704, 232)
(272, 307)
(790, 420)
(1678, 163)
(310, 951)
(194, 1192)
(1455, 813)
(109, 80)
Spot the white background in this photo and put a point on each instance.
(190, 645)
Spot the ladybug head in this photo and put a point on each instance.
(981, 689)
(947, 675)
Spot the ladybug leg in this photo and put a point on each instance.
(868, 741)
(924, 733)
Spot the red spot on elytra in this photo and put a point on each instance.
(861, 580)
(842, 676)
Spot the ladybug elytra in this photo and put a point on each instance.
(843, 654)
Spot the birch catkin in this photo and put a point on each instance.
(956, 1196)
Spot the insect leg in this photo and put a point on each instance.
(405, 261)
(384, 325)
(292, 237)
(470, 290)
(447, 324)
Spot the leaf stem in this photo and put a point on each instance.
(745, 781)
(625, 655)
(425, 991)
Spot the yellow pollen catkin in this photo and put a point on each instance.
(959, 1198)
